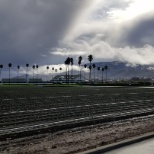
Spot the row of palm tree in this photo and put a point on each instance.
(90, 58)
(18, 67)
(105, 68)
(68, 61)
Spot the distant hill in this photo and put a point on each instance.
(121, 70)
(116, 70)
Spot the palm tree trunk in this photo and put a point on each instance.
(37, 74)
(9, 75)
(89, 76)
(68, 74)
(94, 75)
(0, 75)
(33, 75)
(27, 75)
(80, 74)
(47, 76)
(90, 73)
(106, 75)
(72, 73)
(18, 75)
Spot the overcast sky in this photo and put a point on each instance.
(45, 32)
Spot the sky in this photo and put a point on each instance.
(46, 32)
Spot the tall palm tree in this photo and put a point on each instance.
(56, 70)
(67, 63)
(79, 62)
(60, 69)
(52, 71)
(90, 67)
(27, 65)
(102, 74)
(94, 66)
(106, 68)
(1, 66)
(66, 69)
(98, 68)
(37, 70)
(33, 72)
(10, 65)
(18, 67)
(47, 69)
(85, 66)
(71, 61)
(90, 58)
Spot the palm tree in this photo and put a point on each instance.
(85, 66)
(106, 68)
(18, 67)
(98, 68)
(102, 74)
(37, 70)
(27, 65)
(33, 72)
(93, 65)
(90, 58)
(56, 70)
(47, 69)
(79, 62)
(71, 61)
(52, 71)
(10, 65)
(67, 63)
(90, 67)
(60, 69)
(1, 66)
(66, 69)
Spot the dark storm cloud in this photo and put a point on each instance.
(29, 28)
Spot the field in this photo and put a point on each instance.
(29, 110)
